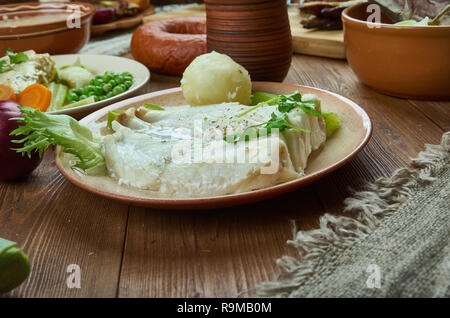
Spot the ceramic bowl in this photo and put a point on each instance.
(50, 27)
(403, 61)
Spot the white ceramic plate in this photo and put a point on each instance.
(99, 64)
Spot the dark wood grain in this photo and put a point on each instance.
(135, 252)
(438, 112)
(216, 253)
(400, 129)
(58, 224)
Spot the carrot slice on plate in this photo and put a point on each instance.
(35, 96)
(7, 93)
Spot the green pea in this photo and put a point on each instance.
(73, 95)
(128, 84)
(127, 74)
(83, 97)
(116, 90)
(107, 87)
(112, 83)
(98, 90)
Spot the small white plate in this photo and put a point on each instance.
(99, 64)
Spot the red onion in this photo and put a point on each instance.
(104, 15)
(12, 164)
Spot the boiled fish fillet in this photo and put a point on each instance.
(181, 150)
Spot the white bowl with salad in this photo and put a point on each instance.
(70, 84)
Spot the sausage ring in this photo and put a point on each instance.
(168, 46)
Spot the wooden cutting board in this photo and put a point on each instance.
(313, 42)
(310, 42)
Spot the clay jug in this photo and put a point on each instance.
(254, 33)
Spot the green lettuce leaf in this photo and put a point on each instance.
(42, 130)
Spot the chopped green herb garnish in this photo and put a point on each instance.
(286, 103)
(295, 96)
(152, 106)
(279, 122)
(273, 101)
(16, 58)
(309, 108)
(260, 97)
(2, 64)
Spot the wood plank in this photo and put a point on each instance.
(438, 112)
(58, 224)
(215, 253)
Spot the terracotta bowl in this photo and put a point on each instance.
(403, 61)
(45, 27)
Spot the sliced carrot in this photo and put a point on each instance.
(35, 96)
(7, 93)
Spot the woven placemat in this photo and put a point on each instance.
(397, 246)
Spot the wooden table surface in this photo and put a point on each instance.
(126, 251)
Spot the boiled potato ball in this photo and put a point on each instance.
(214, 78)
